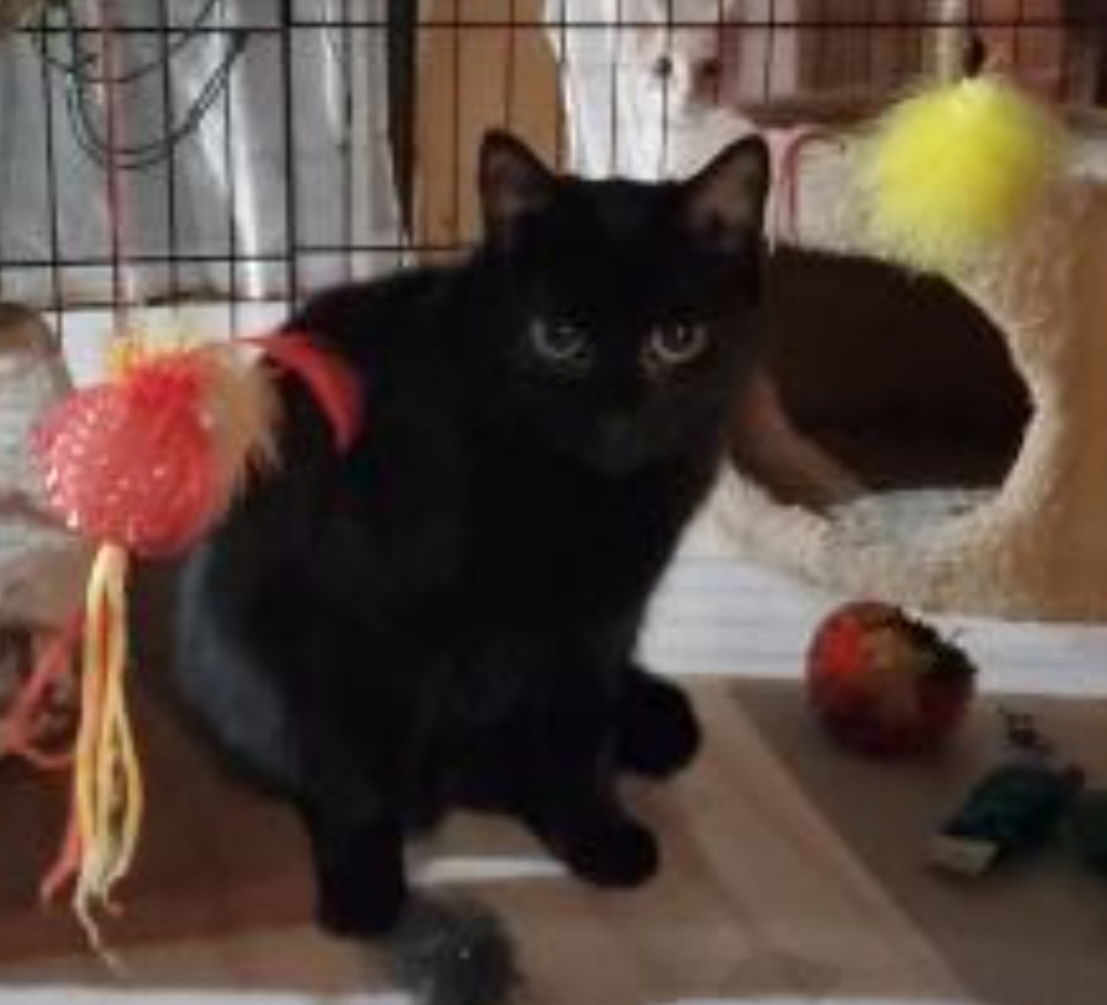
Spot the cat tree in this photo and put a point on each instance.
(1030, 542)
(1036, 545)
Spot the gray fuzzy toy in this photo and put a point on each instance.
(453, 952)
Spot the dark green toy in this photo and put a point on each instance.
(1014, 809)
(1088, 830)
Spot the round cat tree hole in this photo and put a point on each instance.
(894, 379)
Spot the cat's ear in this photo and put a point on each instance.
(513, 183)
(723, 206)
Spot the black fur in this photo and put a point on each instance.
(446, 616)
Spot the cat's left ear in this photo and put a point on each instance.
(723, 206)
(513, 183)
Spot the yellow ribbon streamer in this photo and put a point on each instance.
(108, 792)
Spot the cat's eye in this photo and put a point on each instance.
(675, 344)
(561, 343)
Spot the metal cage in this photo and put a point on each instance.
(247, 151)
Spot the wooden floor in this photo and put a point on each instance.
(792, 872)
(763, 893)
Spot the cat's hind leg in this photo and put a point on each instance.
(657, 731)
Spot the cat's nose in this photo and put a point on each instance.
(617, 430)
(617, 446)
(617, 426)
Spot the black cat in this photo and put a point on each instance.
(446, 616)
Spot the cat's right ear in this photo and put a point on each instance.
(513, 183)
(724, 204)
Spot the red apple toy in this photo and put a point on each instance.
(884, 683)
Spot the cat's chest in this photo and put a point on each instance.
(547, 532)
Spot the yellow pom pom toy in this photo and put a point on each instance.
(954, 170)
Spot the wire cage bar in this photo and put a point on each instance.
(246, 152)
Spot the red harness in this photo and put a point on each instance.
(330, 380)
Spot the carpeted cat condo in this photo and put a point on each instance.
(1032, 542)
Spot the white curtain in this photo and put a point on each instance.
(652, 87)
(217, 190)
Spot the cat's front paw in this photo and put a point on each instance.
(619, 853)
(360, 913)
(658, 731)
(360, 882)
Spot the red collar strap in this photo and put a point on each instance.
(329, 379)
